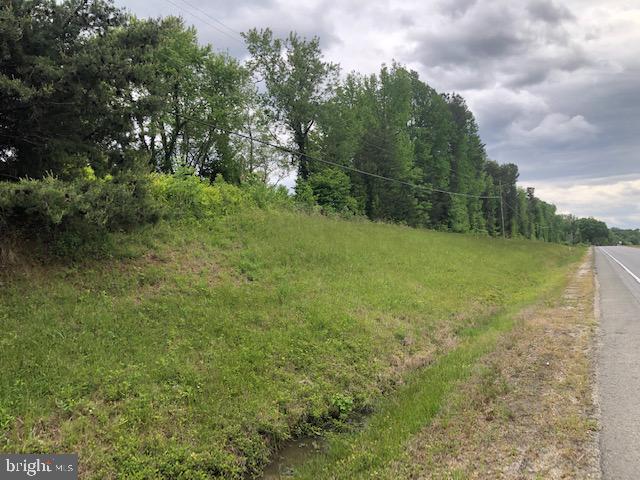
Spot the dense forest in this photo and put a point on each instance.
(92, 94)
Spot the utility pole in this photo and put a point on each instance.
(502, 210)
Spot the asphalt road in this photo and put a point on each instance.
(619, 361)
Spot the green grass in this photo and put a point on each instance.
(200, 347)
(368, 453)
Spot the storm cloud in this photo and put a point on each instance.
(553, 84)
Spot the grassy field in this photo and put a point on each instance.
(201, 347)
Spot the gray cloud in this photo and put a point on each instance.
(308, 20)
(456, 8)
(549, 11)
(480, 36)
(505, 41)
(535, 68)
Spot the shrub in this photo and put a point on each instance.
(304, 195)
(267, 196)
(71, 213)
(184, 195)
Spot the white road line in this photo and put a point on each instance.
(620, 263)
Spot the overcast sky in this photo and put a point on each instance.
(554, 85)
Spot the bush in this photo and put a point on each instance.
(72, 213)
(267, 196)
(184, 195)
(74, 216)
(304, 195)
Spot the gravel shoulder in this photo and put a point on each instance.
(530, 409)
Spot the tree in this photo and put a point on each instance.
(593, 231)
(468, 162)
(201, 97)
(71, 73)
(431, 129)
(298, 83)
(625, 236)
(254, 151)
(331, 187)
(385, 147)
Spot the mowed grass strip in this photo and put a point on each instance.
(202, 346)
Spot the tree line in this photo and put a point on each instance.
(87, 87)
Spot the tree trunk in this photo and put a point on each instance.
(303, 161)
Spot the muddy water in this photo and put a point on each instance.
(292, 455)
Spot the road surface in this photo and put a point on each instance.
(618, 273)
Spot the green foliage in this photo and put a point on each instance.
(625, 237)
(73, 213)
(331, 189)
(71, 74)
(267, 196)
(593, 231)
(87, 85)
(304, 194)
(185, 195)
(394, 125)
(222, 338)
(342, 405)
(200, 97)
(459, 216)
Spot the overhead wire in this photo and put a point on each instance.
(218, 29)
(311, 157)
(335, 164)
(382, 149)
(195, 7)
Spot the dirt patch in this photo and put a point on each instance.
(528, 411)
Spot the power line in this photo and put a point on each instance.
(206, 22)
(382, 149)
(212, 18)
(388, 152)
(335, 164)
(365, 142)
(318, 159)
(322, 160)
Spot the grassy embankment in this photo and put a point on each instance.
(200, 347)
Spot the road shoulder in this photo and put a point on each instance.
(529, 410)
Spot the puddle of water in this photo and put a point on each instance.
(297, 451)
(292, 455)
